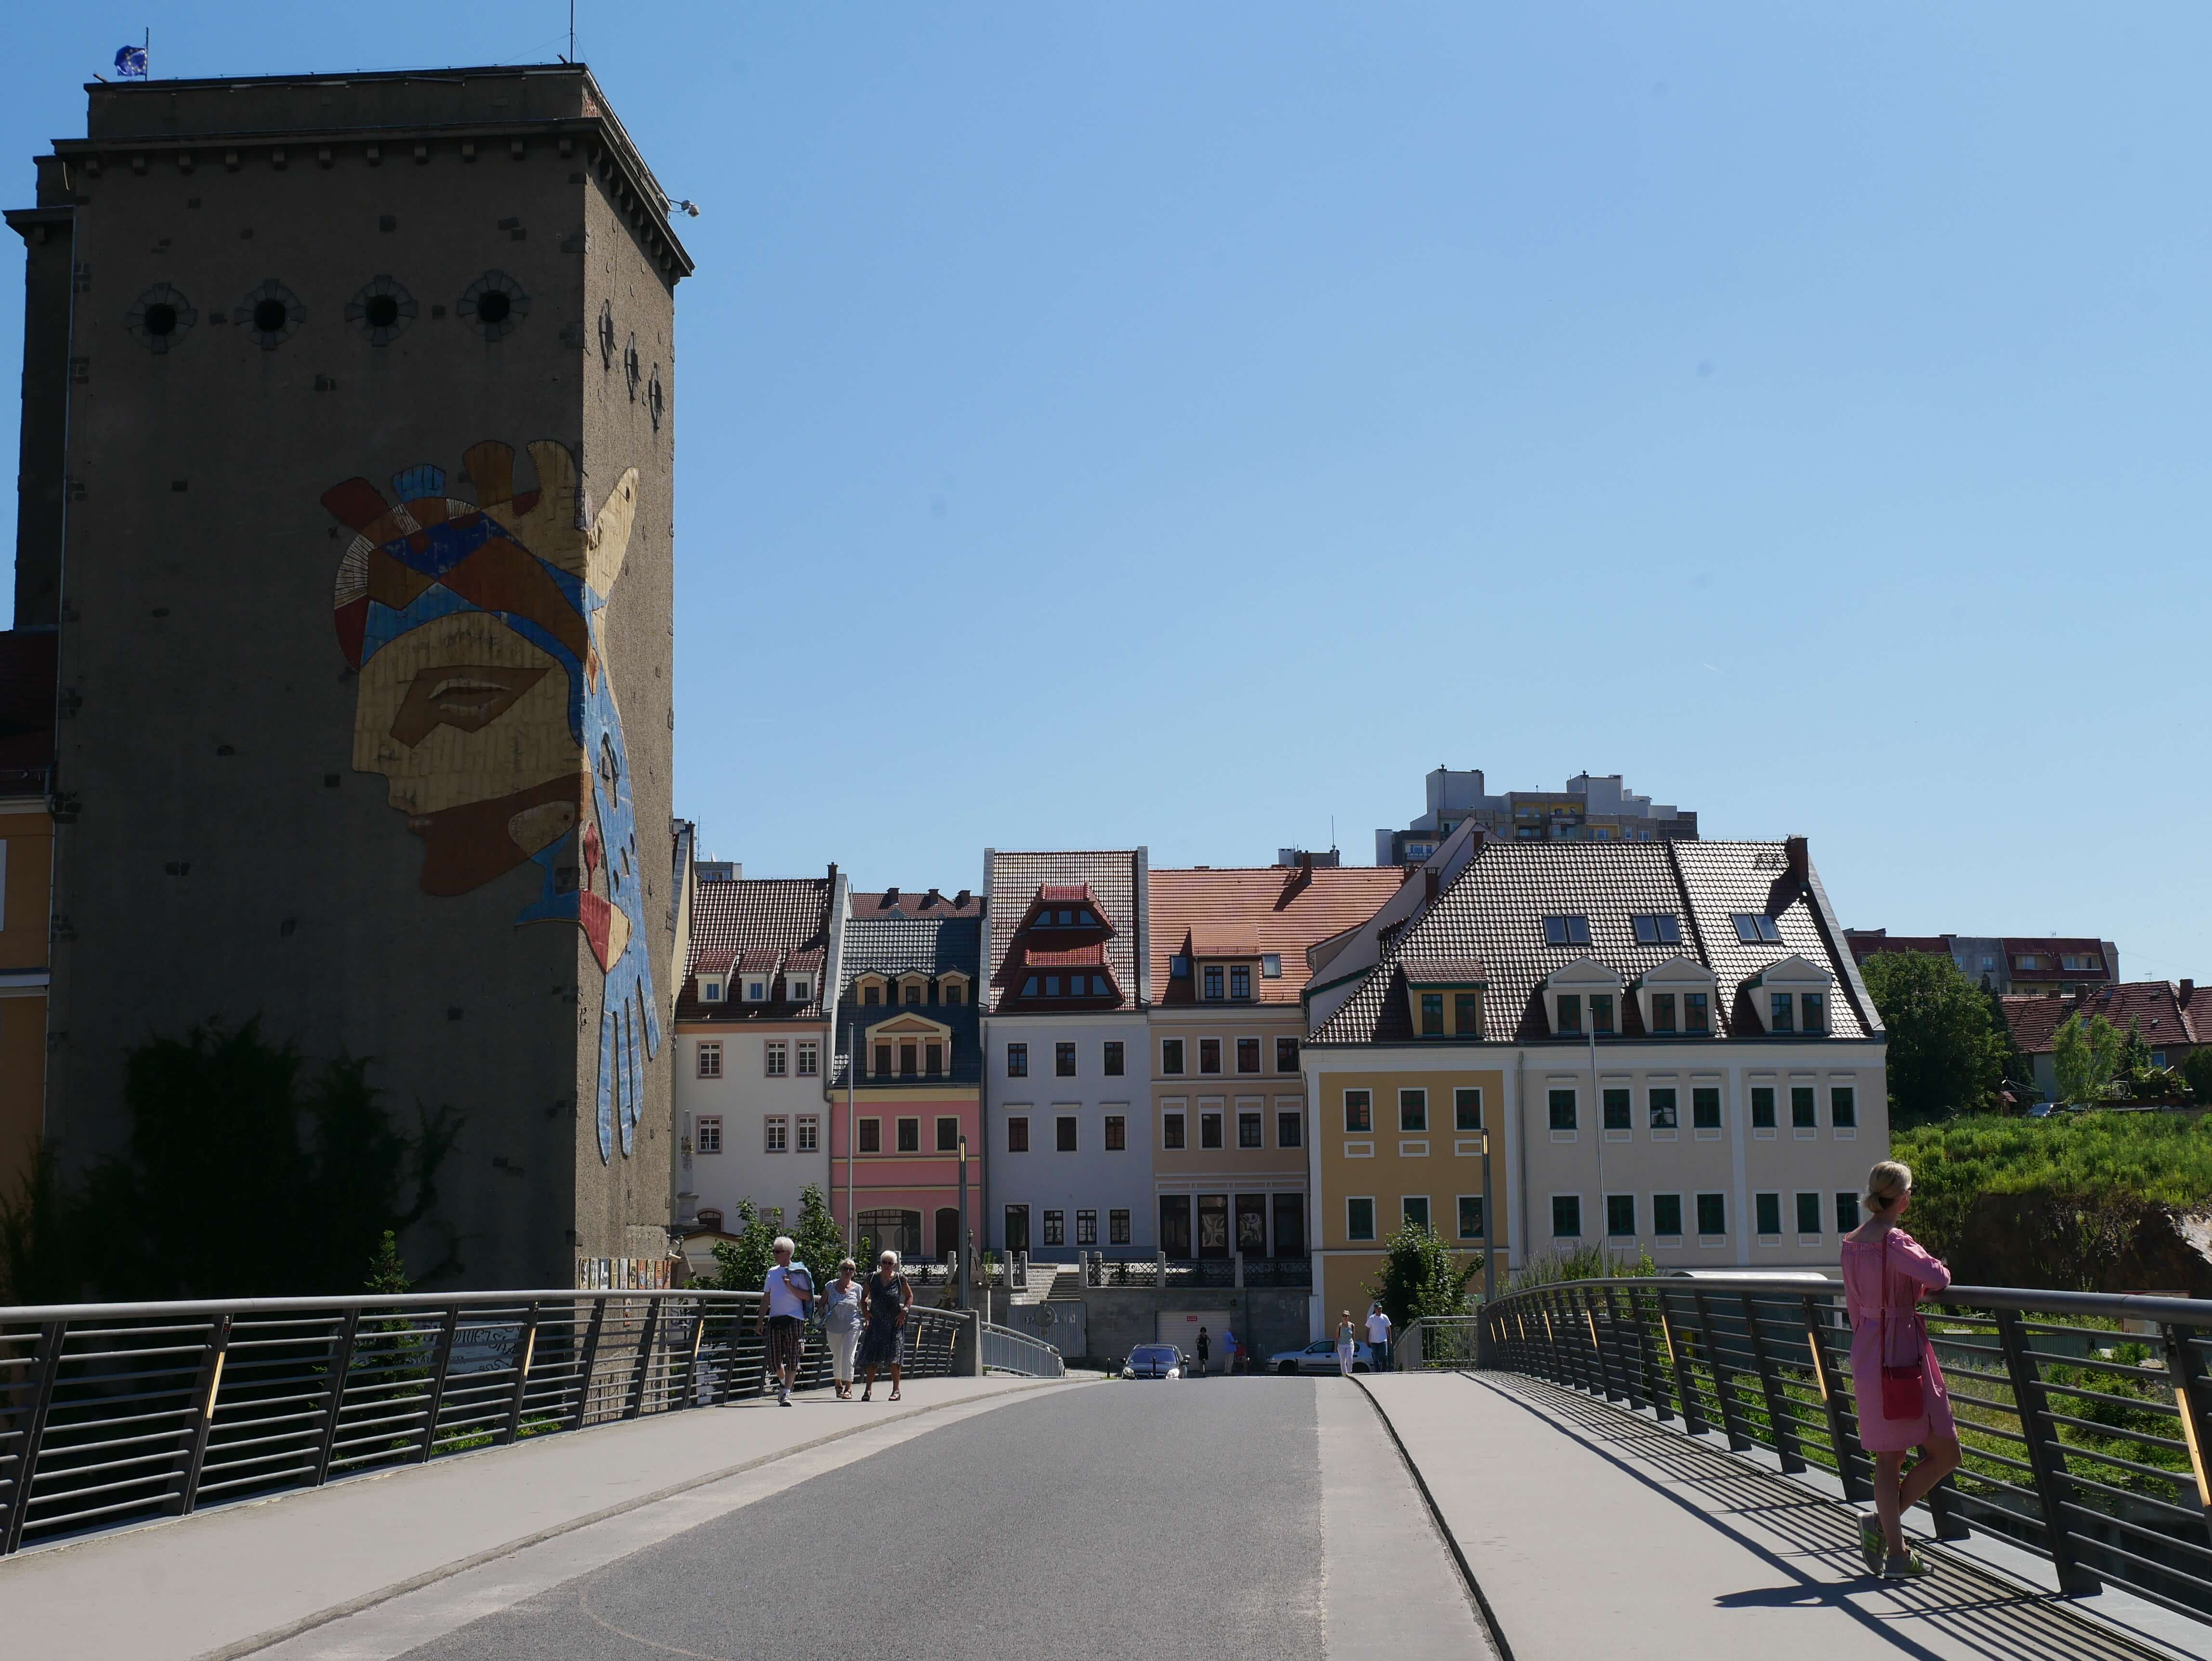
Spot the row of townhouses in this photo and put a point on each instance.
(1661, 1046)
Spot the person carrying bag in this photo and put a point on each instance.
(1902, 1401)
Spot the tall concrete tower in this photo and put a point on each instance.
(348, 440)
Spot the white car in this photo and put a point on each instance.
(1153, 1361)
(1319, 1356)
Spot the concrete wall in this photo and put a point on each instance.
(257, 802)
(1120, 1317)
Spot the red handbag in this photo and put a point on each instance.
(1904, 1389)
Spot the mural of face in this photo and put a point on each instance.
(484, 700)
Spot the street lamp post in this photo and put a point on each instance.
(965, 1254)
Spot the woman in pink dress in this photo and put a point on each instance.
(1886, 1274)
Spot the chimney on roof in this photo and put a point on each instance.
(1408, 877)
(961, 898)
(1306, 863)
(890, 896)
(930, 899)
(2188, 991)
(1435, 882)
(833, 873)
(1800, 860)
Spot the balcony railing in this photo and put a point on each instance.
(2082, 1417)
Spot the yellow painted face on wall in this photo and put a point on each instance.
(464, 709)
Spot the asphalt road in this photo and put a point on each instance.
(1165, 1520)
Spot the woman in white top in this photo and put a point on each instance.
(1347, 1341)
(840, 1317)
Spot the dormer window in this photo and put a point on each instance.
(756, 991)
(1178, 967)
(1567, 931)
(1676, 997)
(1756, 928)
(801, 990)
(1213, 981)
(1447, 995)
(2081, 963)
(1240, 981)
(954, 989)
(1658, 928)
(872, 992)
(1583, 997)
(1569, 1005)
(1792, 996)
(710, 991)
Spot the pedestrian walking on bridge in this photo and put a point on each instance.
(1378, 1335)
(841, 1319)
(1204, 1349)
(786, 1295)
(1903, 1403)
(1347, 1343)
(884, 1306)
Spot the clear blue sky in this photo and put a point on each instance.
(1182, 425)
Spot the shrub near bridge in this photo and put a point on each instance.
(2078, 1201)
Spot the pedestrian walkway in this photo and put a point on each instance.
(230, 1581)
(1593, 1531)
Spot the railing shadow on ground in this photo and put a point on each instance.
(1968, 1605)
(2082, 1417)
(113, 1415)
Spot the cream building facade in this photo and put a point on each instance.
(1667, 1046)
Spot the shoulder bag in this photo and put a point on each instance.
(1904, 1389)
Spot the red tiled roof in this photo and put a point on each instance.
(1865, 943)
(930, 903)
(757, 923)
(2051, 947)
(1225, 939)
(1105, 881)
(1281, 910)
(1081, 956)
(26, 707)
(2152, 1007)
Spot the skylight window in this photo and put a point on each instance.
(1271, 967)
(1753, 928)
(1660, 929)
(1567, 931)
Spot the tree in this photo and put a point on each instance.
(1420, 1277)
(2196, 1068)
(745, 1261)
(1945, 1053)
(2087, 1056)
(820, 1243)
(247, 1173)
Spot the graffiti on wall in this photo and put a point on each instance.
(484, 701)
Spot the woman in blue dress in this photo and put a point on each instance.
(883, 1307)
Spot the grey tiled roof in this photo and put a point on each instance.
(758, 919)
(1494, 913)
(1015, 879)
(898, 945)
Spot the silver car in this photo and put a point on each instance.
(1319, 1356)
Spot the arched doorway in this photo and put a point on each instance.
(948, 1232)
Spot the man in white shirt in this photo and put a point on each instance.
(785, 1297)
(1378, 1336)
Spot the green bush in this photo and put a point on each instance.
(1587, 1262)
(1420, 1277)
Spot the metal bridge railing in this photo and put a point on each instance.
(2081, 1416)
(1439, 1341)
(1005, 1350)
(114, 1413)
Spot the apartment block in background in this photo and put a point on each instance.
(1065, 1116)
(1229, 966)
(1592, 809)
(753, 1044)
(2022, 964)
(906, 1092)
(1667, 1043)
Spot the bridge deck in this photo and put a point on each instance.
(1596, 1532)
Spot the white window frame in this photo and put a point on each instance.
(707, 1133)
(1373, 1222)
(1581, 1222)
(775, 1059)
(806, 1133)
(710, 1049)
(807, 1063)
(775, 1133)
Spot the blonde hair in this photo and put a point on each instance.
(1889, 1182)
